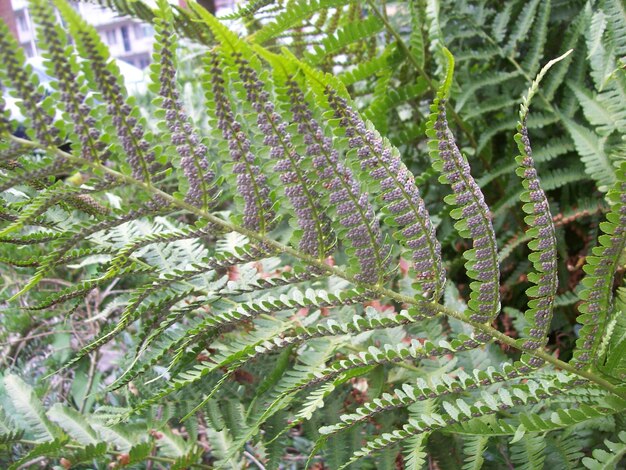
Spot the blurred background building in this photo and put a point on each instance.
(128, 39)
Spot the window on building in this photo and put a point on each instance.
(22, 24)
(144, 62)
(125, 38)
(111, 35)
(143, 31)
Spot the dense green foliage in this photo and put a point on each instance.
(323, 239)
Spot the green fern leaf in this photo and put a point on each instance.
(616, 16)
(528, 452)
(522, 25)
(592, 149)
(542, 232)
(471, 212)
(295, 12)
(350, 33)
(89, 453)
(601, 59)
(16, 73)
(45, 449)
(29, 409)
(417, 42)
(597, 304)
(415, 456)
(73, 423)
(457, 412)
(105, 76)
(603, 460)
(595, 112)
(474, 449)
(538, 37)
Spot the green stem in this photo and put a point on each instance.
(333, 270)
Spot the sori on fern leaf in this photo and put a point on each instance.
(280, 274)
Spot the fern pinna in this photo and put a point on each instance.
(280, 276)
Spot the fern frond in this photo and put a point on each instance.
(16, 73)
(9, 431)
(198, 174)
(597, 306)
(369, 68)
(47, 449)
(541, 230)
(388, 99)
(458, 412)
(357, 225)
(601, 60)
(284, 391)
(248, 10)
(500, 21)
(163, 339)
(415, 456)
(409, 394)
(32, 239)
(200, 371)
(252, 321)
(488, 79)
(436, 38)
(561, 419)
(616, 17)
(564, 450)
(301, 334)
(538, 37)
(35, 176)
(400, 196)
(70, 240)
(612, 353)
(295, 12)
(124, 255)
(546, 153)
(46, 199)
(257, 347)
(474, 448)
(592, 149)
(598, 109)
(89, 453)
(317, 238)
(105, 76)
(251, 182)
(10, 437)
(350, 33)
(63, 65)
(81, 289)
(417, 41)
(73, 423)
(528, 452)
(603, 460)
(537, 120)
(522, 25)
(560, 71)
(176, 286)
(550, 180)
(29, 409)
(474, 220)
